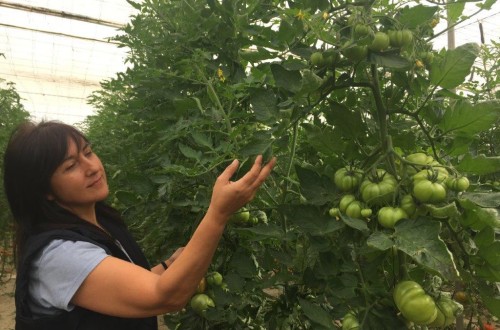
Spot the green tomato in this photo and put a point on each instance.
(434, 174)
(345, 201)
(317, 59)
(408, 204)
(427, 58)
(420, 160)
(366, 213)
(350, 322)
(353, 210)
(347, 179)
(415, 305)
(242, 216)
(361, 31)
(388, 216)
(378, 190)
(201, 302)
(214, 279)
(354, 53)
(427, 191)
(334, 212)
(380, 42)
(400, 38)
(458, 184)
(447, 311)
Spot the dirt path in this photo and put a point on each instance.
(7, 308)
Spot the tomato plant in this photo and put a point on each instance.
(191, 102)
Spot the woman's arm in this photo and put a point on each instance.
(119, 288)
(159, 269)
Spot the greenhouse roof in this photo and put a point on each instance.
(57, 52)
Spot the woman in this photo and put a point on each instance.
(78, 267)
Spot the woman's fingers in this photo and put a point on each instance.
(229, 171)
(258, 174)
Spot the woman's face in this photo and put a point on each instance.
(79, 181)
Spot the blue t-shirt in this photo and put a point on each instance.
(57, 273)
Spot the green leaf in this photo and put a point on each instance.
(412, 17)
(347, 121)
(480, 165)
(324, 139)
(309, 219)
(242, 263)
(310, 81)
(190, 152)
(258, 55)
(477, 217)
(491, 299)
(483, 199)
(315, 188)
(485, 237)
(354, 223)
(261, 232)
(467, 119)
(491, 254)
(288, 80)
(264, 105)
(380, 241)
(389, 60)
(454, 11)
(202, 139)
(452, 70)
(419, 238)
(316, 314)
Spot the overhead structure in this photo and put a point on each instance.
(57, 52)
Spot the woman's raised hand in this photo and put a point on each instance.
(229, 196)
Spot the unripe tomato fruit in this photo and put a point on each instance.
(201, 286)
(388, 216)
(429, 192)
(362, 31)
(317, 59)
(366, 213)
(378, 190)
(380, 41)
(355, 53)
(408, 204)
(447, 312)
(458, 184)
(353, 210)
(347, 179)
(241, 216)
(415, 305)
(400, 38)
(345, 201)
(350, 322)
(461, 297)
(201, 302)
(214, 279)
(334, 212)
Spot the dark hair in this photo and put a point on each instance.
(32, 155)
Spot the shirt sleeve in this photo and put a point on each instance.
(58, 272)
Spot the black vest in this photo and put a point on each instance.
(79, 318)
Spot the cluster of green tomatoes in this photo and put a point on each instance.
(417, 307)
(391, 198)
(202, 300)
